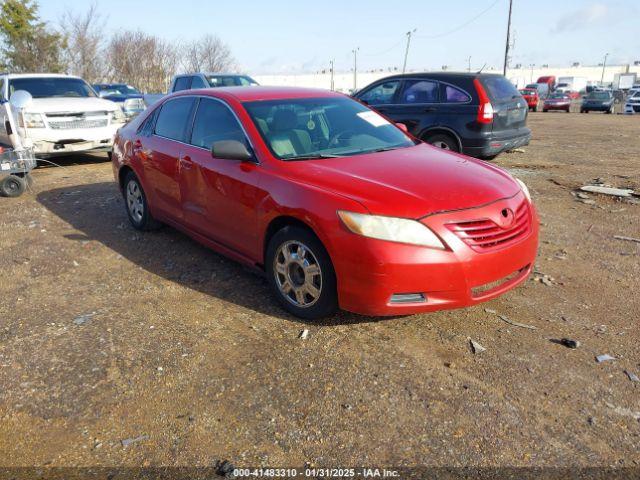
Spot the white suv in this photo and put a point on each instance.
(65, 116)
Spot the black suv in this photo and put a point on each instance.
(474, 113)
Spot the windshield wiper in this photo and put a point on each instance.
(313, 155)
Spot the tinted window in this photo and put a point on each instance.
(214, 122)
(173, 119)
(499, 88)
(146, 129)
(42, 87)
(182, 83)
(420, 91)
(455, 95)
(381, 94)
(198, 83)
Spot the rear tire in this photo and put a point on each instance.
(544, 110)
(12, 186)
(135, 202)
(535, 109)
(443, 141)
(300, 273)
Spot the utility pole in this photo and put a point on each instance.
(406, 52)
(469, 63)
(355, 68)
(531, 65)
(604, 64)
(331, 65)
(506, 48)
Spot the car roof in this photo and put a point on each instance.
(252, 94)
(443, 75)
(217, 74)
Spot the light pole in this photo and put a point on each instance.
(406, 52)
(331, 64)
(506, 48)
(469, 63)
(355, 68)
(604, 64)
(531, 65)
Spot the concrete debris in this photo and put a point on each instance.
(517, 150)
(625, 412)
(304, 334)
(627, 239)
(82, 319)
(604, 358)
(615, 192)
(476, 347)
(632, 376)
(544, 279)
(128, 441)
(516, 324)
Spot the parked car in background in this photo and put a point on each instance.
(531, 97)
(542, 89)
(478, 114)
(337, 205)
(65, 116)
(557, 101)
(598, 101)
(632, 105)
(129, 98)
(210, 80)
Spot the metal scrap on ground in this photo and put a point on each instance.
(516, 324)
(604, 357)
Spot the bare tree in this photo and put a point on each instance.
(142, 60)
(208, 54)
(85, 45)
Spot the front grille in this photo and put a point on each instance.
(486, 235)
(78, 123)
(134, 104)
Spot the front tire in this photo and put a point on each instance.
(12, 186)
(300, 273)
(136, 204)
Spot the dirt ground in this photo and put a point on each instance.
(109, 335)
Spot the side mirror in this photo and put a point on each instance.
(402, 127)
(20, 100)
(231, 150)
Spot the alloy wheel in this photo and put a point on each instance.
(297, 274)
(442, 145)
(135, 202)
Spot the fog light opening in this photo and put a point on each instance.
(408, 298)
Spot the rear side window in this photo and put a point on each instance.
(214, 122)
(198, 83)
(499, 88)
(182, 83)
(173, 119)
(454, 95)
(420, 91)
(381, 94)
(146, 129)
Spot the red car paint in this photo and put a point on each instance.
(531, 97)
(549, 80)
(488, 226)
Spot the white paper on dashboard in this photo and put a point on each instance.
(373, 118)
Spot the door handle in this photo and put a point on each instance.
(185, 162)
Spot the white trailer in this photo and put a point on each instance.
(571, 84)
(624, 81)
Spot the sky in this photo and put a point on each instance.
(286, 36)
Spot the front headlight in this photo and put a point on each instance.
(117, 116)
(32, 120)
(524, 188)
(399, 230)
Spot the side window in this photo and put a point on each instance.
(452, 94)
(2, 99)
(420, 91)
(182, 83)
(198, 83)
(214, 122)
(381, 94)
(146, 129)
(173, 119)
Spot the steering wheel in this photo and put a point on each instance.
(335, 140)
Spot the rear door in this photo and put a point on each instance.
(418, 104)
(509, 108)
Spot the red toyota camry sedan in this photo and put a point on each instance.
(338, 206)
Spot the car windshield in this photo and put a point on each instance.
(43, 87)
(296, 129)
(121, 89)
(231, 81)
(558, 95)
(598, 96)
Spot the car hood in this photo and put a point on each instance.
(408, 182)
(70, 104)
(122, 97)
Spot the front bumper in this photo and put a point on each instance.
(595, 108)
(50, 142)
(371, 271)
(556, 106)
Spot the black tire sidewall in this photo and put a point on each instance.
(327, 304)
(9, 180)
(147, 222)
